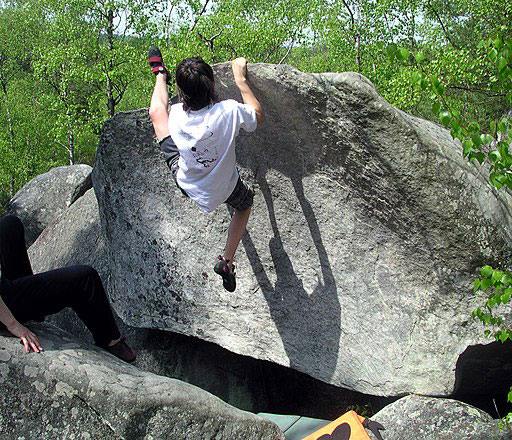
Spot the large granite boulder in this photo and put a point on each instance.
(366, 232)
(428, 418)
(42, 200)
(246, 383)
(75, 238)
(77, 391)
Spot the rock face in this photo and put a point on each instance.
(40, 202)
(75, 239)
(426, 418)
(74, 391)
(366, 230)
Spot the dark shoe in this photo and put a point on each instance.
(227, 273)
(156, 63)
(122, 351)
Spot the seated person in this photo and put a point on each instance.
(25, 296)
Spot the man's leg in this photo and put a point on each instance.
(235, 233)
(158, 107)
(14, 261)
(78, 287)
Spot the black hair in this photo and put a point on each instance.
(195, 83)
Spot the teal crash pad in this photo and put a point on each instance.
(295, 427)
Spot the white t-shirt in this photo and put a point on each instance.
(206, 141)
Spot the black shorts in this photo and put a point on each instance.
(240, 199)
(242, 196)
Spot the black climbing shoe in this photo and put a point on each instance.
(156, 63)
(227, 273)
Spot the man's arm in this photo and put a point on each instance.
(28, 338)
(239, 66)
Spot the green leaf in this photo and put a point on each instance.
(501, 64)
(402, 54)
(474, 127)
(467, 146)
(424, 83)
(494, 156)
(493, 53)
(445, 118)
(486, 139)
(486, 271)
(477, 140)
(391, 49)
(415, 77)
(480, 157)
(505, 297)
(436, 107)
(497, 275)
(495, 180)
(380, 45)
(476, 285)
(486, 283)
(420, 57)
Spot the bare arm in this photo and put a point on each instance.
(28, 339)
(239, 66)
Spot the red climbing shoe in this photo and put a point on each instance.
(227, 273)
(156, 63)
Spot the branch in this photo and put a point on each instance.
(351, 15)
(62, 145)
(199, 16)
(209, 41)
(168, 21)
(482, 91)
(446, 34)
(287, 52)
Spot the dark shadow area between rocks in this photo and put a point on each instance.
(485, 367)
(246, 383)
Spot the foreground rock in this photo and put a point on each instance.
(367, 228)
(41, 201)
(74, 391)
(426, 418)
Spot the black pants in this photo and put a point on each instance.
(32, 297)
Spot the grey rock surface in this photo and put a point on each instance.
(428, 418)
(42, 200)
(75, 238)
(243, 382)
(77, 391)
(367, 229)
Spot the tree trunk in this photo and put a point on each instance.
(71, 146)
(11, 132)
(357, 39)
(111, 104)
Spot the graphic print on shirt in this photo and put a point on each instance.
(202, 152)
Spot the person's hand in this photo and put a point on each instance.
(28, 339)
(239, 66)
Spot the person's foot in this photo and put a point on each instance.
(227, 273)
(122, 351)
(156, 63)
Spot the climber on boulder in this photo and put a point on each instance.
(198, 136)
